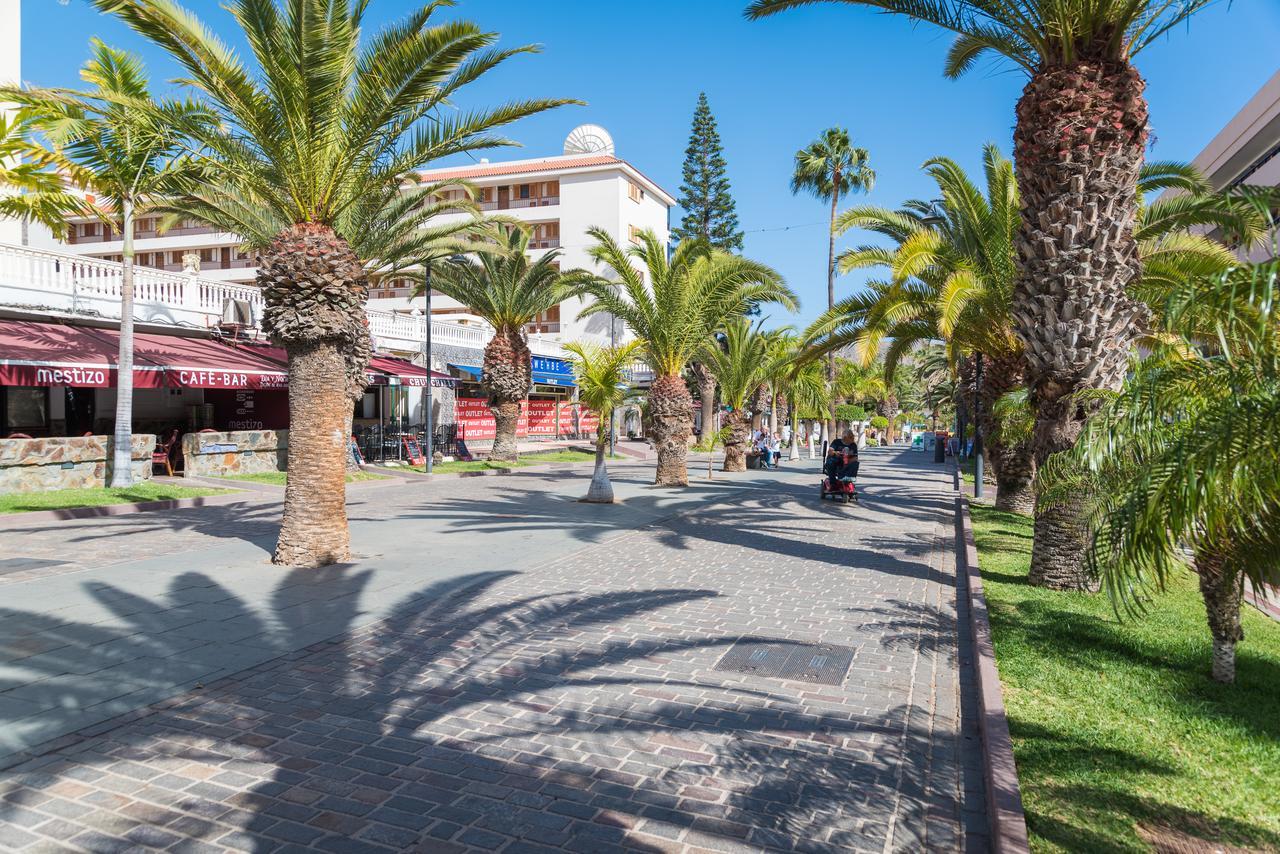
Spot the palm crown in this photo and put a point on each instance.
(739, 358)
(688, 298)
(328, 118)
(831, 166)
(504, 286)
(1031, 33)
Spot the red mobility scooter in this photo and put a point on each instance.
(841, 477)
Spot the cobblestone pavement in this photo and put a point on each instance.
(575, 704)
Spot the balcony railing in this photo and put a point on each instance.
(58, 281)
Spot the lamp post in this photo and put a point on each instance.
(977, 431)
(430, 451)
(613, 413)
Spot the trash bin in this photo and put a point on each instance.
(939, 447)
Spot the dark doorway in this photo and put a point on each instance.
(504, 198)
(81, 410)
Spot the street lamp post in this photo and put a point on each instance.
(977, 431)
(430, 451)
(613, 413)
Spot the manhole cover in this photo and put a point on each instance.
(803, 662)
(19, 564)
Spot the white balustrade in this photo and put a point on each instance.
(59, 281)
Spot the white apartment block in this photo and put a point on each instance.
(559, 197)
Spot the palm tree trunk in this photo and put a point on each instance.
(313, 531)
(601, 490)
(735, 442)
(1222, 591)
(795, 437)
(1014, 465)
(507, 378)
(707, 395)
(670, 407)
(1078, 146)
(314, 288)
(831, 293)
(122, 440)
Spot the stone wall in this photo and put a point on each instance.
(79, 462)
(237, 452)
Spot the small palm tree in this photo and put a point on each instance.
(1181, 463)
(710, 441)
(685, 300)
(509, 291)
(124, 150)
(739, 357)
(602, 374)
(329, 115)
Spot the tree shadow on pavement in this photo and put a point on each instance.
(476, 714)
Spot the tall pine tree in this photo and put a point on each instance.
(709, 210)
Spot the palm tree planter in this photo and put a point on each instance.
(509, 291)
(330, 120)
(1078, 144)
(684, 302)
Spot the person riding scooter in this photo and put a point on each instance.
(835, 465)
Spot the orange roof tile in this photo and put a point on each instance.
(486, 170)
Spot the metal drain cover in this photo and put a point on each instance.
(18, 564)
(824, 663)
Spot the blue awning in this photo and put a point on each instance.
(474, 372)
(546, 378)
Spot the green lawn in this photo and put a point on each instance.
(61, 499)
(531, 459)
(1117, 724)
(278, 478)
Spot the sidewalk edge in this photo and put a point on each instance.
(1004, 797)
(99, 510)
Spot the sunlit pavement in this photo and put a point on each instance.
(504, 668)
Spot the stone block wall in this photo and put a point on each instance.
(78, 462)
(236, 452)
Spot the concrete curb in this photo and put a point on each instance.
(123, 509)
(1004, 797)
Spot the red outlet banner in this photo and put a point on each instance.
(538, 419)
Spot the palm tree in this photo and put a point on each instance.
(739, 357)
(675, 312)
(706, 383)
(29, 189)
(1182, 463)
(804, 382)
(1079, 142)
(509, 291)
(329, 115)
(124, 150)
(953, 276)
(602, 374)
(828, 168)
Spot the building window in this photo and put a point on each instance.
(89, 229)
(633, 234)
(634, 192)
(25, 410)
(524, 191)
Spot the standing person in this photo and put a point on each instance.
(775, 448)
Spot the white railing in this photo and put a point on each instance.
(59, 281)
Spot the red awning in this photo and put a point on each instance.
(46, 354)
(403, 372)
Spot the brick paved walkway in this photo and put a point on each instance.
(574, 704)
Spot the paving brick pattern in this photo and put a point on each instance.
(575, 706)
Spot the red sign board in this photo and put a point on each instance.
(538, 418)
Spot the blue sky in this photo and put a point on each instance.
(773, 86)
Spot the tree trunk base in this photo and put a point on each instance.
(506, 417)
(313, 530)
(1223, 592)
(1017, 496)
(1060, 543)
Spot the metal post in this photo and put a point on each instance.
(430, 451)
(613, 421)
(977, 432)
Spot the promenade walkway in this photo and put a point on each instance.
(732, 667)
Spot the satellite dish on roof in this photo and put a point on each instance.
(588, 139)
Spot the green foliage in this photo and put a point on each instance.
(61, 499)
(831, 167)
(674, 306)
(850, 412)
(329, 114)
(739, 359)
(30, 189)
(709, 209)
(1032, 33)
(603, 377)
(1114, 724)
(879, 422)
(505, 287)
